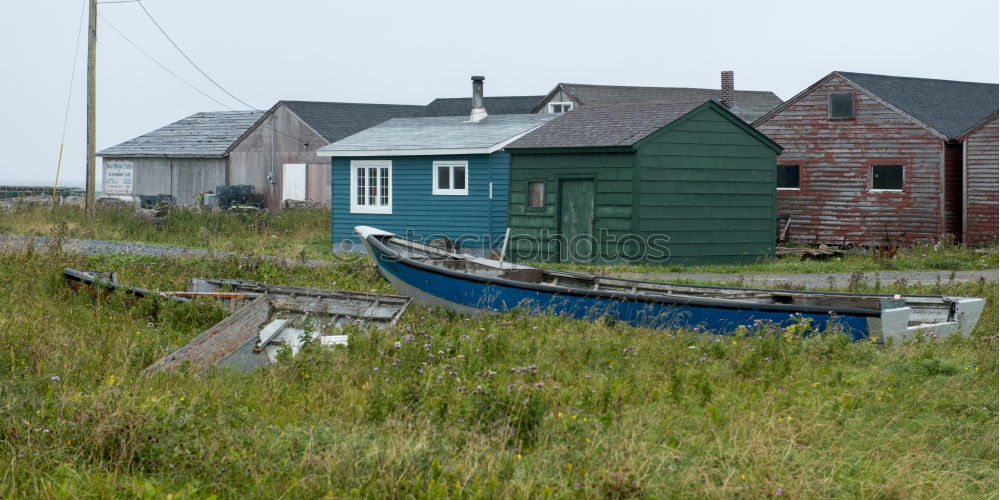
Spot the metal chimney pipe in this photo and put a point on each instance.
(478, 108)
(728, 94)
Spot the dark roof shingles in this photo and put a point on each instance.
(612, 125)
(337, 120)
(749, 104)
(207, 134)
(950, 107)
(499, 105)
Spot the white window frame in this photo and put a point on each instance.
(552, 105)
(365, 208)
(871, 177)
(435, 190)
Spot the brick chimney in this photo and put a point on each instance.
(478, 108)
(728, 94)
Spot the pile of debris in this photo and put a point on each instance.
(263, 320)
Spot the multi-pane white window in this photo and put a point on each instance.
(371, 187)
(560, 107)
(451, 178)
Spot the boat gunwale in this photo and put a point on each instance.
(734, 304)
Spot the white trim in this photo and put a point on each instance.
(451, 165)
(885, 190)
(549, 106)
(789, 189)
(370, 209)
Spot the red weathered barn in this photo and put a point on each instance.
(870, 158)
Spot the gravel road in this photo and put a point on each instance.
(810, 281)
(94, 247)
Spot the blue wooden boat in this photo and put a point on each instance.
(470, 284)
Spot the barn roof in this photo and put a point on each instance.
(615, 125)
(749, 104)
(501, 105)
(950, 107)
(207, 134)
(337, 120)
(436, 136)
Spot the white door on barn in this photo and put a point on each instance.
(293, 182)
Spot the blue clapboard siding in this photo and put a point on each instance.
(417, 212)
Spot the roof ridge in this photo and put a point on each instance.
(844, 73)
(491, 97)
(660, 87)
(285, 101)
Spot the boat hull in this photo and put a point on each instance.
(882, 318)
(475, 297)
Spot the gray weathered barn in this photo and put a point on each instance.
(183, 159)
(277, 154)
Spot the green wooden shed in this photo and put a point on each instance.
(668, 183)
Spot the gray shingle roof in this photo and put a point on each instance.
(200, 135)
(950, 107)
(502, 105)
(608, 125)
(337, 120)
(749, 104)
(401, 136)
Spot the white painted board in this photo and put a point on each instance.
(293, 181)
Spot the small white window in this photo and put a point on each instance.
(371, 187)
(451, 178)
(560, 107)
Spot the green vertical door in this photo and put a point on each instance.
(576, 220)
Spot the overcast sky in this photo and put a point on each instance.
(410, 52)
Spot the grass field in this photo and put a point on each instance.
(296, 233)
(448, 406)
(305, 233)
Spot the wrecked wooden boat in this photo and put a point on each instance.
(268, 318)
(470, 284)
(102, 283)
(264, 319)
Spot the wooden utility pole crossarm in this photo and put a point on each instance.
(91, 108)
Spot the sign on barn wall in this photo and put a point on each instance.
(118, 177)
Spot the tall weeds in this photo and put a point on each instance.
(500, 406)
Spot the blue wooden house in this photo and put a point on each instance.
(427, 178)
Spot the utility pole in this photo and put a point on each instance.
(91, 111)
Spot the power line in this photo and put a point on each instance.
(69, 99)
(150, 16)
(268, 125)
(151, 58)
(72, 75)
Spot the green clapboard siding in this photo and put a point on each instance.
(535, 230)
(699, 191)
